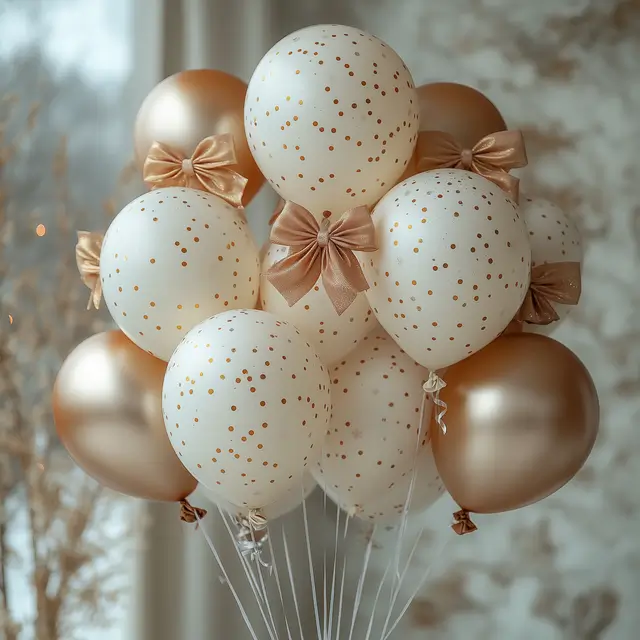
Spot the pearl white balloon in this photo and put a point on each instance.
(452, 267)
(332, 336)
(291, 500)
(331, 117)
(388, 506)
(553, 238)
(375, 431)
(172, 258)
(246, 404)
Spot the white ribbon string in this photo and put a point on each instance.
(432, 387)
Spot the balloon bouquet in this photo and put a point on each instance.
(389, 342)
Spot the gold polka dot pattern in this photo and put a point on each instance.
(374, 433)
(172, 258)
(331, 118)
(246, 404)
(452, 268)
(553, 237)
(331, 335)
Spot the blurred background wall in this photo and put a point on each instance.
(567, 74)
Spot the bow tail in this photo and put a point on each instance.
(295, 275)
(537, 308)
(508, 183)
(342, 277)
(222, 182)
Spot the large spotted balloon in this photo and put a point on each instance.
(246, 404)
(452, 267)
(172, 258)
(331, 117)
(553, 238)
(331, 335)
(375, 430)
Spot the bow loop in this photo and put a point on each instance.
(321, 250)
(88, 250)
(551, 283)
(208, 168)
(492, 157)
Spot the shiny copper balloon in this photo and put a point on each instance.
(462, 111)
(107, 405)
(522, 418)
(191, 105)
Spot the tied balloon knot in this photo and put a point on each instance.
(492, 157)
(432, 388)
(463, 523)
(552, 283)
(88, 250)
(207, 169)
(191, 514)
(321, 250)
(252, 536)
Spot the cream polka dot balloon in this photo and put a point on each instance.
(172, 258)
(553, 238)
(289, 501)
(331, 335)
(452, 267)
(388, 506)
(375, 431)
(246, 404)
(331, 117)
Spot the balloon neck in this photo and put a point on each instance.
(463, 523)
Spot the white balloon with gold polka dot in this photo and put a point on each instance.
(289, 501)
(333, 336)
(172, 258)
(452, 267)
(331, 116)
(553, 237)
(246, 404)
(375, 432)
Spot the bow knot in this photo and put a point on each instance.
(551, 283)
(492, 157)
(325, 250)
(88, 250)
(463, 523)
(208, 168)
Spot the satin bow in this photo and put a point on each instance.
(555, 282)
(463, 523)
(88, 250)
(492, 157)
(207, 169)
(325, 250)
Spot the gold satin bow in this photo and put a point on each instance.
(556, 282)
(324, 249)
(207, 169)
(463, 523)
(88, 250)
(492, 157)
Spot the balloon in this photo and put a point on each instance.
(192, 105)
(331, 335)
(522, 418)
(459, 110)
(452, 267)
(291, 500)
(246, 403)
(553, 238)
(375, 431)
(172, 258)
(331, 117)
(388, 506)
(107, 409)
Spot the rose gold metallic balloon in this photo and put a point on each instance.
(522, 418)
(190, 106)
(464, 112)
(107, 407)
